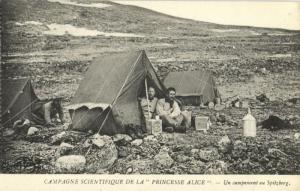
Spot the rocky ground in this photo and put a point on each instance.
(246, 61)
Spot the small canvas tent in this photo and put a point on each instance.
(193, 87)
(18, 98)
(108, 95)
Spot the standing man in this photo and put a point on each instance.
(152, 101)
(169, 111)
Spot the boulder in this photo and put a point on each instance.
(70, 164)
(297, 136)
(32, 131)
(163, 159)
(120, 137)
(102, 155)
(137, 142)
(207, 154)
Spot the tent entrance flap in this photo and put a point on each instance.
(85, 119)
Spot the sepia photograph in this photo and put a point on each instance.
(150, 88)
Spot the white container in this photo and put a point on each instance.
(249, 125)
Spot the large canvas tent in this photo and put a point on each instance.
(107, 97)
(193, 87)
(18, 98)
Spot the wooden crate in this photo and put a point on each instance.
(202, 123)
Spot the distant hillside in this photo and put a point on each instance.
(35, 43)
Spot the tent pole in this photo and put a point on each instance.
(146, 87)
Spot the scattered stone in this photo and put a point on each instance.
(58, 138)
(194, 152)
(87, 143)
(8, 132)
(102, 171)
(182, 158)
(129, 170)
(237, 104)
(238, 142)
(208, 154)
(137, 142)
(65, 148)
(213, 118)
(263, 71)
(197, 167)
(143, 166)
(276, 152)
(211, 105)
(101, 158)
(219, 107)
(123, 151)
(73, 137)
(150, 138)
(297, 136)
(32, 131)
(70, 164)
(245, 104)
(98, 140)
(164, 149)
(262, 98)
(224, 144)
(66, 145)
(217, 167)
(286, 137)
(119, 137)
(163, 159)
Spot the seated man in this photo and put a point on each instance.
(169, 111)
(44, 112)
(152, 101)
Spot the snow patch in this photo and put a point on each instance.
(60, 29)
(225, 30)
(69, 2)
(29, 23)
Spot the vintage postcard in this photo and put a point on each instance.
(144, 95)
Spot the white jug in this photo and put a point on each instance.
(249, 125)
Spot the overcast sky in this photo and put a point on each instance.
(262, 14)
